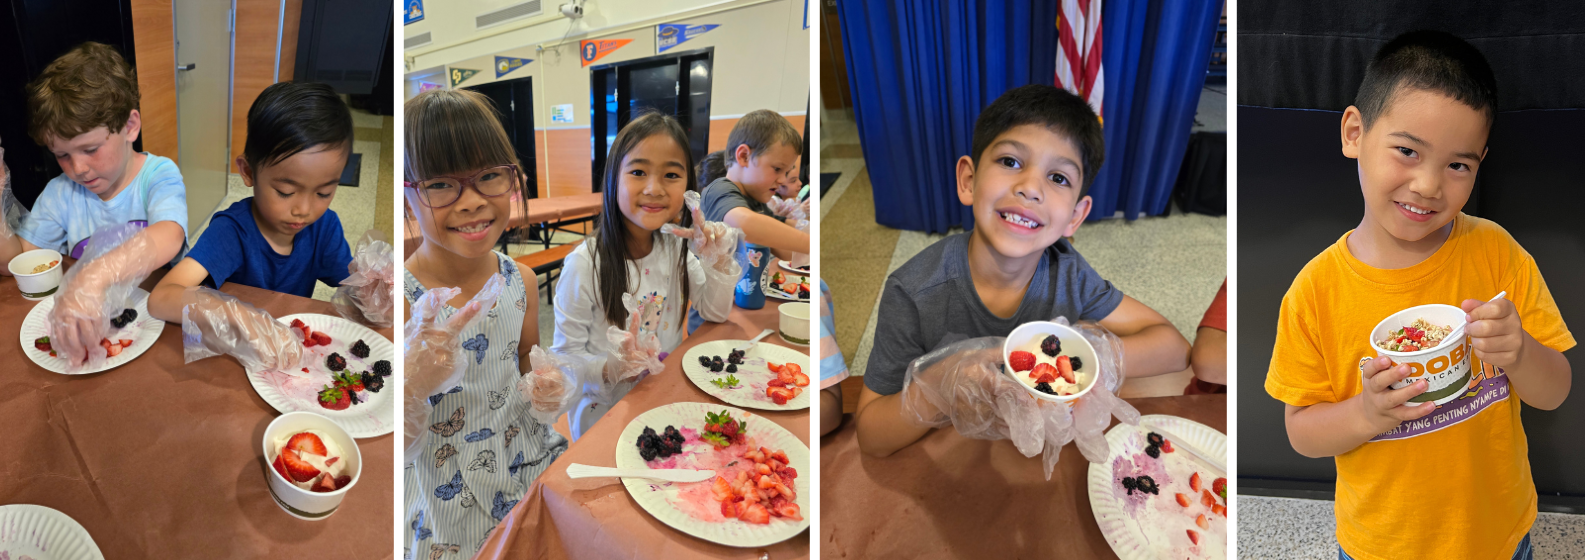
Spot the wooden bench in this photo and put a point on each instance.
(547, 262)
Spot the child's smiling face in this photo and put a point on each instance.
(295, 192)
(654, 177)
(760, 176)
(1417, 162)
(1024, 190)
(470, 226)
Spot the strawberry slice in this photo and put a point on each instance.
(297, 469)
(280, 467)
(776, 383)
(787, 509)
(780, 395)
(343, 480)
(298, 324)
(125, 342)
(755, 513)
(1202, 522)
(1044, 373)
(1194, 482)
(1183, 500)
(773, 367)
(1021, 361)
(321, 339)
(1065, 368)
(114, 350)
(1193, 536)
(729, 508)
(1219, 510)
(801, 379)
(326, 484)
(307, 443)
(1207, 499)
(1166, 445)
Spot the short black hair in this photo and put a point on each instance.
(1054, 108)
(289, 117)
(1432, 61)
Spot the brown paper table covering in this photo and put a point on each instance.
(947, 496)
(162, 459)
(595, 518)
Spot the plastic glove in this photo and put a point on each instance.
(214, 323)
(433, 359)
(95, 290)
(961, 385)
(789, 208)
(11, 209)
(550, 386)
(1093, 411)
(366, 293)
(715, 243)
(637, 352)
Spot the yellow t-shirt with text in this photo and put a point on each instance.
(1456, 483)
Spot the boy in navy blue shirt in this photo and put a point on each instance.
(285, 237)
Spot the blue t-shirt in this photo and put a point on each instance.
(233, 250)
(66, 214)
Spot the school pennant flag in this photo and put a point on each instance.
(592, 50)
(670, 34)
(460, 75)
(505, 64)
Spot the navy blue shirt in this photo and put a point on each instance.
(233, 250)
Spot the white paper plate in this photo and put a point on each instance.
(41, 533)
(752, 375)
(787, 265)
(659, 498)
(143, 332)
(1127, 537)
(375, 416)
(773, 291)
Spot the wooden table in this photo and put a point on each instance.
(947, 496)
(595, 518)
(161, 459)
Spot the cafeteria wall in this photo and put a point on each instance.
(761, 61)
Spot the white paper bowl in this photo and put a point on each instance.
(307, 504)
(1445, 367)
(36, 286)
(1073, 345)
(794, 322)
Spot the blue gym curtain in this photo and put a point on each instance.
(921, 71)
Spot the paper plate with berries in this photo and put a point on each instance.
(766, 377)
(40, 533)
(132, 333)
(346, 376)
(760, 494)
(798, 269)
(781, 285)
(1152, 500)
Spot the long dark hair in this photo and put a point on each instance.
(610, 236)
(454, 131)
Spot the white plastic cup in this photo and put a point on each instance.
(1073, 345)
(794, 323)
(37, 285)
(1445, 367)
(298, 502)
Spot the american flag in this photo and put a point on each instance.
(1079, 50)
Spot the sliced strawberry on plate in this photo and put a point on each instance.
(114, 350)
(321, 339)
(729, 508)
(1194, 482)
(1021, 361)
(785, 508)
(1219, 510)
(1207, 499)
(780, 395)
(297, 469)
(779, 456)
(1166, 445)
(1183, 500)
(755, 513)
(722, 489)
(800, 379)
(776, 383)
(125, 342)
(1202, 522)
(1193, 536)
(773, 367)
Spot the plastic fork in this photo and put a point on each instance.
(577, 470)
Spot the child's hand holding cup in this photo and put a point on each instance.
(1495, 332)
(1386, 407)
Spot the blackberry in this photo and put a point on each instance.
(1154, 439)
(648, 453)
(335, 362)
(673, 435)
(373, 382)
(382, 368)
(731, 368)
(648, 431)
(1074, 361)
(705, 361)
(1146, 484)
(1130, 484)
(715, 367)
(1045, 388)
(117, 322)
(360, 349)
(1050, 345)
(1153, 451)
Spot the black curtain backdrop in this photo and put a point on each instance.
(1299, 66)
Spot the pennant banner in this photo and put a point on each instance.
(670, 34)
(594, 50)
(505, 64)
(460, 75)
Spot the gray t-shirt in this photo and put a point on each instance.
(931, 301)
(722, 195)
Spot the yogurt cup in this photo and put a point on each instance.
(37, 285)
(1027, 337)
(794, 323)
(297, 501)
(1445, 367)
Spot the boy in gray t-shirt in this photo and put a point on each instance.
(1036, 150)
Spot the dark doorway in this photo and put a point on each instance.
(514, 102)
(677, 84)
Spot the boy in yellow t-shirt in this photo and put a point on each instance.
(1421, 480)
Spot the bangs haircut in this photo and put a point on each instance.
(1056, 109)
(1432, 61)
(453, 132)
(289, 118)
(88, 87)
(611, 254)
